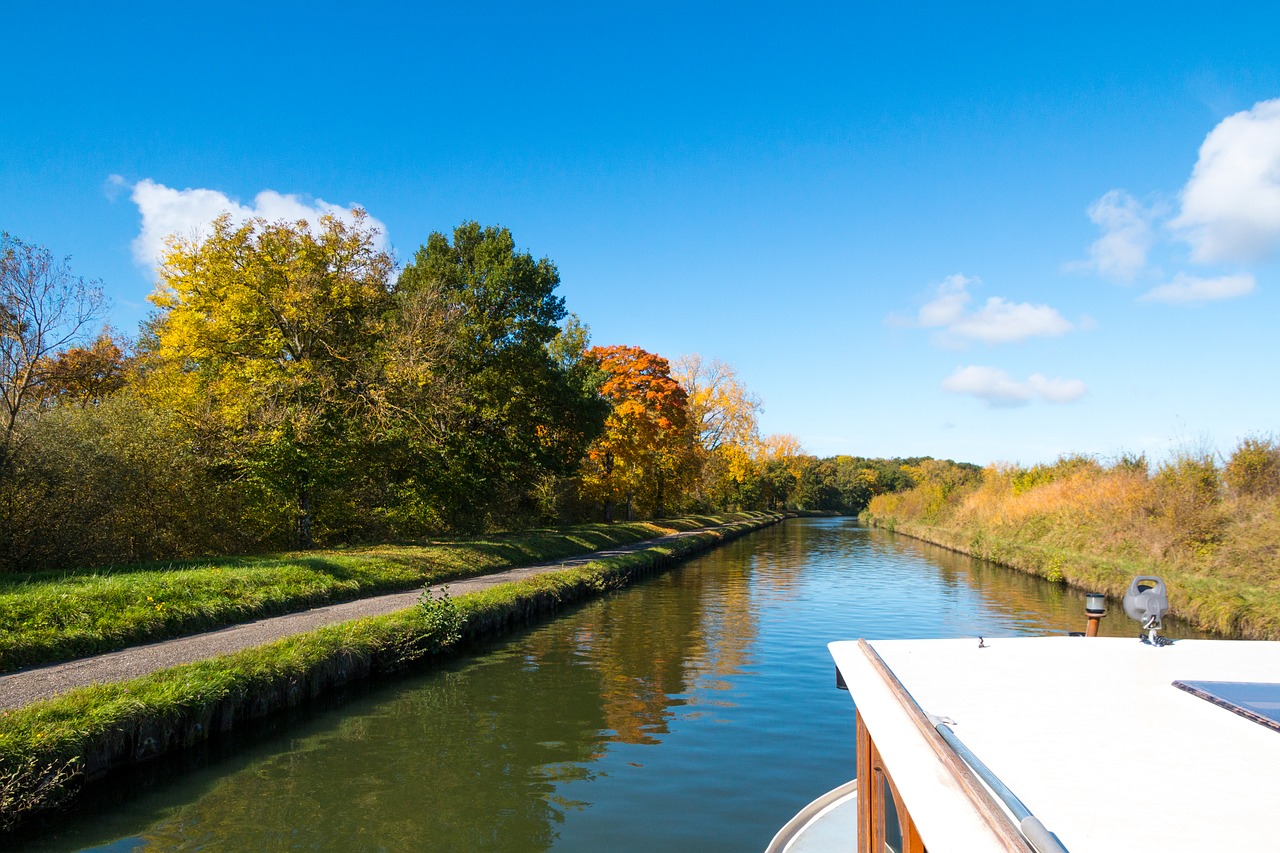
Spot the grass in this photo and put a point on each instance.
(49, 748)
(57, 616)
(1211, 531)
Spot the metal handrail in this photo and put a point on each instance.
(1036, 833)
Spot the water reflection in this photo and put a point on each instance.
(694, 710)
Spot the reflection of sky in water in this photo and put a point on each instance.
(694, 711)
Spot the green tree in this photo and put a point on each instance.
(523, 411)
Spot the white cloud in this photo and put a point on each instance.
(188, 212)
(948, 306)
(1127, 236)
(997, 388)
(113, 186)
(1186, 289)
(1231, 204)
(998, 321)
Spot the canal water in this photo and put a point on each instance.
(694, 711)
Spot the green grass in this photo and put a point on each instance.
(57, 616)
(47, 749)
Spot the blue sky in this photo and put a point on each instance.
(914, 229)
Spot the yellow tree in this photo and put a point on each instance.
(265, 339)
(780, 461)
(644, 455)
(724, 419)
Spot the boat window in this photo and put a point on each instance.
(892, 825)
(1254, 700)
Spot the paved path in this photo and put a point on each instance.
(29, 685)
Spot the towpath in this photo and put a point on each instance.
(43, 682)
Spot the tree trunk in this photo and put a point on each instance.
(304, 513)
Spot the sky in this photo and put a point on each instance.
(971, 231)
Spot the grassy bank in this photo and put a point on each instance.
(49, 750)
(1209, 527)
(56, 616)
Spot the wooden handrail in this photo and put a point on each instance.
(981, 799)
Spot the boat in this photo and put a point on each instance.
(1054, 744)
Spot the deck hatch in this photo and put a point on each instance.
(1255, 700)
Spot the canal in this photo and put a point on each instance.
(693, 711)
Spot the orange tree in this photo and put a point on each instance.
(645, 455)
(85, 376)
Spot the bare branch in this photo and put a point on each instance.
(43, 309)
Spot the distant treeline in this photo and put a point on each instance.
(293, 388)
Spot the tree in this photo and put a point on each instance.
(85, 376)
(43, 308)
(723, 415)
(723, 412)
(267, 341)
(781, 461)
(645, 452)
(523, 412)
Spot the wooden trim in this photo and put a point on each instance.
(871, 812)
(981, 799)
(866, 811)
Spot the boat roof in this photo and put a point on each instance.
(1091, 734)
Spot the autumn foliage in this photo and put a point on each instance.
(297, 386)
(644, 457)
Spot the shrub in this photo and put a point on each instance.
(1254, 467)
(112, 482)
(1188, 494)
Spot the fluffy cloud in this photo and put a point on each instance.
(187, 213)
(1231, 206)
(1127, 236)
(997, 388)
(1186, 289)
(998, 321)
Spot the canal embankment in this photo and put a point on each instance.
(46, 617)
(1225, 604)
(1209, 524)
(52, 749)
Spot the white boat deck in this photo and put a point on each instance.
(828, 823)
(1090, 734)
